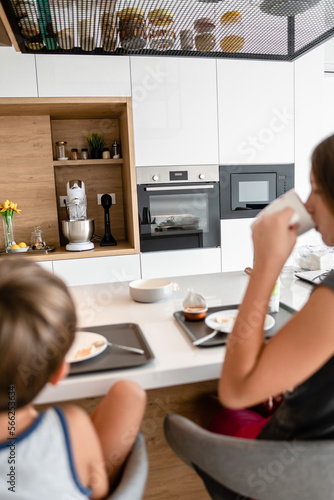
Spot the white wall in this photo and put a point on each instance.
(25, 75)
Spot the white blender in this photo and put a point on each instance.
(78, 229)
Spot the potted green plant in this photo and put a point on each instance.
(95, 142)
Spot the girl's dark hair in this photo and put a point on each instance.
(323, 169)
(37, 326)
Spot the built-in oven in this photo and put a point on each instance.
(178, 207)
(247, 189)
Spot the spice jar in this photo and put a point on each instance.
(109, 31)
(38, 239)
(60, 150)
(74, 154)
(132, 28)
(205, 39)
(232, 31)
(84, 154)
(105, 153)
(186, 39)
(162, 32)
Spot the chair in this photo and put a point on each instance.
(133, 480)
(235, 468)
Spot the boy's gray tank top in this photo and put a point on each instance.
(307, 412)
(43, 463)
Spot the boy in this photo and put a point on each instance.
(62, 453)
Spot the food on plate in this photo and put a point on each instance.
(233, 16)
(14, 247)
(205, 42)
(232, 43)
(227, 319)
(87, 351)
(22, 244)
(204, 25)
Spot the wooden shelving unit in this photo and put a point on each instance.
(32, 178)
(82, 163)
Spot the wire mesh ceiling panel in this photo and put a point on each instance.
(253, 29)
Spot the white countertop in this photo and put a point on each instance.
(176, 360)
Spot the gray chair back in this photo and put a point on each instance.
(235, 468)
(133, 480)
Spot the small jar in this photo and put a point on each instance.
(109, 31)
(232, 31)
(186, 39)
(84, 154)
(105, 153)
(74, 154)
(132, 28)
(162, 29)
(205, 39)
(38, 239)
(61, 150)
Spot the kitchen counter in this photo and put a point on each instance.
(176, 360)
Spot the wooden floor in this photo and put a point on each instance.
(168, 477)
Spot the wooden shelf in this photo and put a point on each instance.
(36, 124)
(90, 161)
(60, 253)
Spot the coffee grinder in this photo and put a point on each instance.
(108, 239)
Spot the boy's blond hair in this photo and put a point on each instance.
(37, 326)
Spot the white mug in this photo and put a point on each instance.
(300, 216)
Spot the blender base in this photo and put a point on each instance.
(78, 247)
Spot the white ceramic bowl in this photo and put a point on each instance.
(152, 290)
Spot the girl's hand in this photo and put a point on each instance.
(273, 239)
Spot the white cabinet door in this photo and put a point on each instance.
(17, 74)
(80, 76)
(236, 244)
(98, 270)
(256, 111)
(47, 264)
(180, 263)
(175, 110)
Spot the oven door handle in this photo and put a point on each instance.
(178, 188)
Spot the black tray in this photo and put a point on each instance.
(128, 334)
(197, 329)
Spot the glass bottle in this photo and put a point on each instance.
(61, 150)
(194, 306)
(38, 239)
(115, 150)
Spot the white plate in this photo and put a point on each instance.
(85, 340)
(19, 249)
(229, 316)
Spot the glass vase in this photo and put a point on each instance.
(8, 231)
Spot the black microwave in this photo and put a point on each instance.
(246, 189)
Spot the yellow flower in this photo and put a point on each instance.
(9, 207)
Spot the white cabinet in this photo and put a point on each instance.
(236, 244)
(80, 76)
(256, 111)
(17, 74)
(98, 270)
(180, 262)
(175, 110)
(47, 264)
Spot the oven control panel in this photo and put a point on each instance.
(174, 174)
